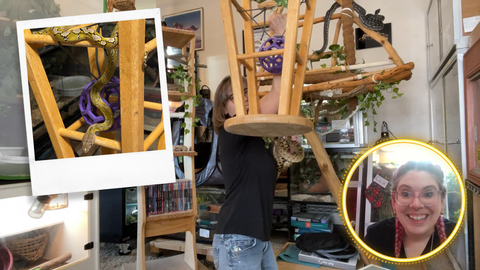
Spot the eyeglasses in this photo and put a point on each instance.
(245, 93)
(427, 198)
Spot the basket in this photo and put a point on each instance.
(30, 249)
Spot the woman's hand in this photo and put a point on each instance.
(278, 23)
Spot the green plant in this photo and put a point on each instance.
(375, 98)
(184, 79)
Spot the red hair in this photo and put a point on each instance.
(400, 231)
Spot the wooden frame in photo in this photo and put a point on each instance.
(133, 166)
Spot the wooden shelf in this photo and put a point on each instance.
(177, 95)
(172, 215)
(185, 154)
(177, 38)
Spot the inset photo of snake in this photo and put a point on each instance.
(412, 201)
(94, 90)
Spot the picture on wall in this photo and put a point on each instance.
(191, 20)
(364, 41)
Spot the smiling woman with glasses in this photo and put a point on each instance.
(418, 200)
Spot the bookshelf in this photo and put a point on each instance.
(179, 221)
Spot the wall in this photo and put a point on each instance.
(406, 116)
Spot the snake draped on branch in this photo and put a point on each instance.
(61, 34)
(371, 21)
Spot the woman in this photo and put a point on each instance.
(418, 199)
(250, 172)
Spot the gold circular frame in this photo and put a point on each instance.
(370, 253)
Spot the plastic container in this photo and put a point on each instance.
(14, 163)
(71, 86)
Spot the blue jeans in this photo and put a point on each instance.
(235, 252)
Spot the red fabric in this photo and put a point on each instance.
(374, 194)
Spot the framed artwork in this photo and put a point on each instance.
(364, 41)
(66, 172)
(191, 20)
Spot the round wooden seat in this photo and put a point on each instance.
(268, 125)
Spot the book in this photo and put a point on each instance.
(311, 217)
(302, 230)
(171, 197)
(305, 224)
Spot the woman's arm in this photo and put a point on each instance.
(269, 103)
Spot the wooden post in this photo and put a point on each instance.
(302, 67)
(190, 256)
(253, 100)
(289, 56)
(131, 51)
(46, 103)
(232, 52)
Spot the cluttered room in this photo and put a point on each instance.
(239, 134)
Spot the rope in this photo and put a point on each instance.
(323, 112)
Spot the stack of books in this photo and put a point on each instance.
(304, 222)
(167, 198)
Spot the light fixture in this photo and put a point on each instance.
(47, 202)
(385, 133)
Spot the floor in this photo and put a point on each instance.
(111, 259)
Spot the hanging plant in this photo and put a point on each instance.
(181, 75)
(376, 98)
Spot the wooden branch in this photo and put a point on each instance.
(151, 45)
(382, 40)
(335, 16)
(77, 136)
(240, 10)
(58, 261)
(335, 40)
(347, 30)
(394, 72)
(314, 78)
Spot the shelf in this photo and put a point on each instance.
(177, 95)
(172, 215)
(15, 190)
(29, 225)
(177, 38)
(184, 154)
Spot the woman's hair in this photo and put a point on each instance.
(220, 100)
(436, 172)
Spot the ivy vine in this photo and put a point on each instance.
(375, 98)
(182, 77)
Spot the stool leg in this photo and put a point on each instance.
(232, 52)
(289, 56)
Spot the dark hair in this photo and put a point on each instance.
(434, 170)
(220, 100)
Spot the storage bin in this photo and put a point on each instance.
(72, 86)
(14, 163)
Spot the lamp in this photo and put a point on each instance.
(47, 202)
(385, 133)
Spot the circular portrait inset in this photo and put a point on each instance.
(412, 202)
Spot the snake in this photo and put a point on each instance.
(371, 21)
(286, 152)
(62, 34)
